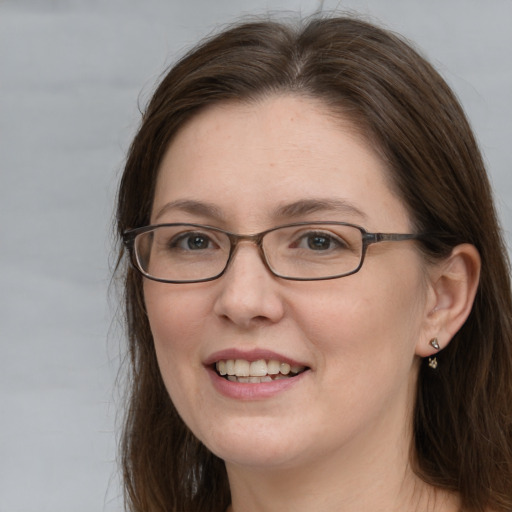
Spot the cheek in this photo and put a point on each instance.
(365, 341)
(177, 324)
(355, 323)
(175, 316)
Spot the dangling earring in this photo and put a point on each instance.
(432, 361)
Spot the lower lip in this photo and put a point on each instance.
(250, 391)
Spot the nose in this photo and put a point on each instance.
(249, 293)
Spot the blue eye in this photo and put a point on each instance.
(191, 242)
(319, 241)
(197, 242)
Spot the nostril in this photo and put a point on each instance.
(248, 298)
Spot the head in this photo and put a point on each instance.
(390, 105)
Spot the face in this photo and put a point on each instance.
(247, 168)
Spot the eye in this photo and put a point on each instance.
(319, 241)
(192, 241)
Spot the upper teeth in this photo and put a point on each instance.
(259, 368)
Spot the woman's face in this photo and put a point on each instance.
(247, 168)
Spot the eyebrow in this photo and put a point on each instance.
(193, 207)
(318, 205)
(296, 209)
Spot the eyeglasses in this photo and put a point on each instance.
(303, 251)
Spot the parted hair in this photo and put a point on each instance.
(401, 105)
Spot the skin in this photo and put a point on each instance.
(339, 438)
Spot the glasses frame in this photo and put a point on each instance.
(368, 239)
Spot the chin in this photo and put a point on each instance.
(256, 443)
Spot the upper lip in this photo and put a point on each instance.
(250, 355)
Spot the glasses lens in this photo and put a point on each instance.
(315, 251)
(182, 252)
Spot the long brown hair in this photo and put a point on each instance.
(463, 410)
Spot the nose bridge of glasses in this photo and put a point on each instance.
(255, 239)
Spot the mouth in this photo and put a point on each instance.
(256, 372)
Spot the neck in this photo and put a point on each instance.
(376, 485)
(371, 473)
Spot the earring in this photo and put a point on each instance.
(432, 361)
(435, 343)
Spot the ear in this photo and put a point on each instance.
(452, 284)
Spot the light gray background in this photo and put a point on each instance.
(71, 74)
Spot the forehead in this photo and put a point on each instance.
(251, 160)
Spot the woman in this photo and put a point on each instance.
(318, 305)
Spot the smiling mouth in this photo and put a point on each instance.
(255, 372)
